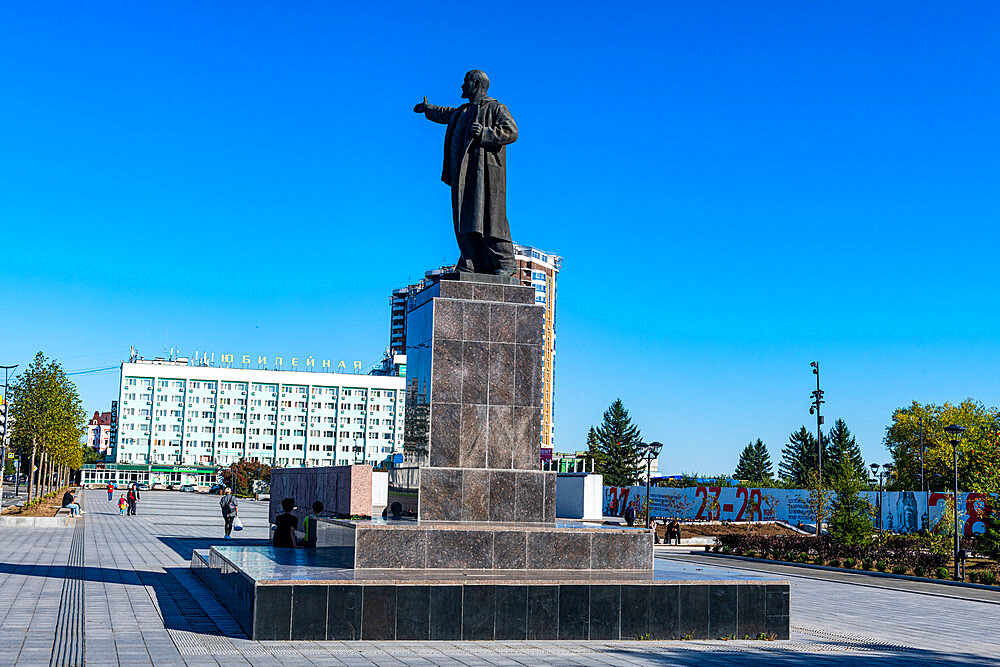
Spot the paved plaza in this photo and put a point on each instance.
(113, 590)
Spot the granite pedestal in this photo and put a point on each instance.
(486, 560)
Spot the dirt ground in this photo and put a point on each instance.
(47, 507)
(714, 530)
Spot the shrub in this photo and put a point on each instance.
(726, 549)
(973, 576)
(918, 570)
(753, 554)
(941, 573)
(803, 557)
(988, 577)
(899, 569)
(834, 563)
(849, 563)
(867, 564)
(819, 560)
(881, 565)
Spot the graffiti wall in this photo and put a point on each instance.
(902, 511)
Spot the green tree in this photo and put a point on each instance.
(240, 476)
(594, 455)
(844, 451)
(755, 463)
(851, 514)
(91, 455)
(902, 439)
(798, 457)
(48, 423)
(617, 438)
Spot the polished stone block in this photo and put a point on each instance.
(511, 612)
(510, 549)
(501, 379)
(309, 612)
(693, 614)
(413, 613)
(518, 294)
(527, 376)
(621, 551)
(558, 551)
(446, 422)
(750, 613)
(474, 436)
(722, 611)
(449, 322)
(475, 495)
(445, 613)
(529, 498)
(463, 549)
(475, 373)
(484, 292)
(501, 437)
(574, 612)
(503, 320)
(664, 612)
(605, 612)
(440, 493)
(272, 614)
(635, 611)
(343, 617)
(549, 503)
(527, 431)
(378, 613)
(543, 612)
(447, 369)
(502, 492)
(391, 549)
(529, 324)
(477, 321)
(478, 612)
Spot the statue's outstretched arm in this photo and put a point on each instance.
(439, 114)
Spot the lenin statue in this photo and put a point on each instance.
(475, 166)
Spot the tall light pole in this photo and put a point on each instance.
(817, 397)
(3, 433)
(925, 520)
(954, 437)
(650, 452)
(877, 477)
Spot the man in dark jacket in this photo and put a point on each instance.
(132, 497)
(229, 509)
(475, 166)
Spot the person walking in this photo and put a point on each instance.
(111, 491)
(132, 497)
(122, 504)
(229, 510)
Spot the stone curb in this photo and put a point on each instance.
(34, 522)
(874, 573)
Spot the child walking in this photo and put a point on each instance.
(122, 504)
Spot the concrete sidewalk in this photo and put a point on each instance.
(140, 605)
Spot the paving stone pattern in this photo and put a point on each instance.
(144, 607)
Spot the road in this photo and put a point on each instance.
(118, 591)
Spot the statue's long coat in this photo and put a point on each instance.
(476, 168)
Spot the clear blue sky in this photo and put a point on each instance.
(737, 188)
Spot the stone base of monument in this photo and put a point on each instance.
(311, 595)
(425, 545)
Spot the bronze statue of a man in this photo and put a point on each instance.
(475, 166)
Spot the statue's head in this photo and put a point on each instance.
(475, 80)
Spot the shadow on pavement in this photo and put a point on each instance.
(772, 653)
(179, 608)
(185, 545)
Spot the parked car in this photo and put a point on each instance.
(188, 488)
(142, 486)
(216, 488)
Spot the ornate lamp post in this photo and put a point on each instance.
(954, 437)
(818, 401)
(650, 452)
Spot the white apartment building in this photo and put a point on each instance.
(173, 413)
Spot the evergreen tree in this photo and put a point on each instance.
(594, 455)
(851, 516)
(755, 463)
(798, 457)
(617, 438)
(844, 451)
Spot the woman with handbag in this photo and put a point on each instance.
(229, 510)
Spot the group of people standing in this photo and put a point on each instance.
(127, 501)
(285, 524)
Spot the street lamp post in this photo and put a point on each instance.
(954, 437)
(650, 452)
(817, 397)
(925, 520)
(877, 477)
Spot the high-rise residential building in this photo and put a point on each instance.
(98, 434)
(539, 269)
(176, 413)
